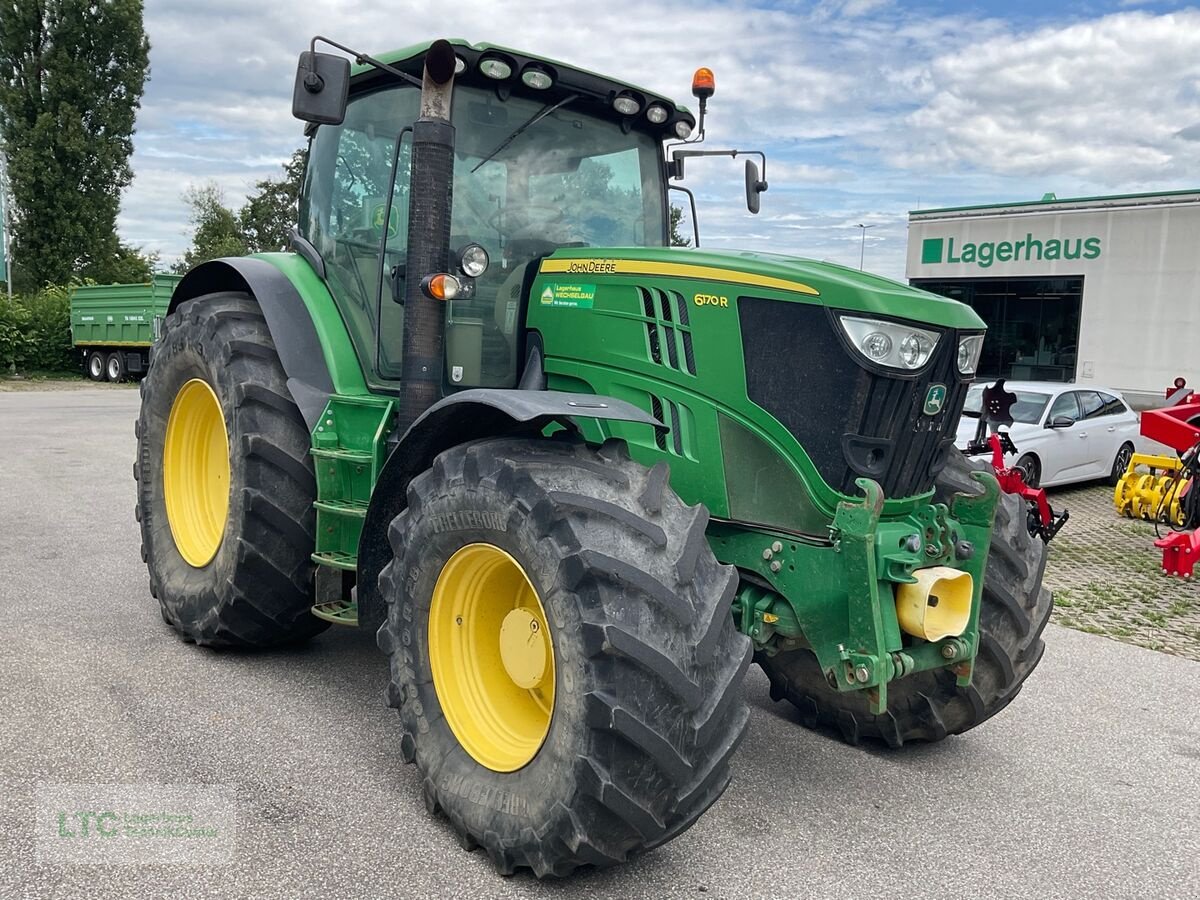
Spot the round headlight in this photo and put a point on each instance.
(683, 129)
(495, 68)
(657, 114)
(877, 346)
(473, 260)
(626, 105)
(536, 79)
(965, 363)
(914, 351)
(460, 65)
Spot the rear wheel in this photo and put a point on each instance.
(1120, 464)
(95, 365)
(563, 654)
(929, 706)
(225, 484)
(114, 367)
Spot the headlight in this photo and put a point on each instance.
(473, 260)
(969, 349)
(892, 344)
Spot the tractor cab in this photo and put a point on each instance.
(545, 156)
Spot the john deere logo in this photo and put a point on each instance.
(934, 399)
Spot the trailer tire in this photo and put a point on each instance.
(94, 365)
(217, 366)
(114, 367)
(929, 706)
(642, 710)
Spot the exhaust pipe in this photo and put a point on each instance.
(430, 200)
(938, 605)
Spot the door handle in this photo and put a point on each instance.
(1082, 435)
(1112, 427)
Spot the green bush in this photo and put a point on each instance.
(35, 332)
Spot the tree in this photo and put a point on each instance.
(216, 231)
(677, 239)
(72, 74)
(271, 212)
(260, 226)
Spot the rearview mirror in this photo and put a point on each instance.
(754, 187)
(1061, 422)
(322, 84)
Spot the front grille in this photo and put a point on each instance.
(852, 421)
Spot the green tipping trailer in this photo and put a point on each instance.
(113, 325)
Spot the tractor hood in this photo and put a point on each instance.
(770, 275)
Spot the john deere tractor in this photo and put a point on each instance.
(577, 479)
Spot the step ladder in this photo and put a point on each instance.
(348, 451)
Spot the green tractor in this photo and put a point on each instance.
(576, 479)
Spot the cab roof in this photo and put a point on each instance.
(596, 92)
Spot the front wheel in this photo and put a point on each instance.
(1030, 469)
(563, 654)
(929, 706)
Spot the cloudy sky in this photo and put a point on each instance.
(866, 108)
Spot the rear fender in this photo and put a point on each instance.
(309, 336)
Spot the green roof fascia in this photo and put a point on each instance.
(1142, 196)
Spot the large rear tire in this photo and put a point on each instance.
(225, 483)
(929, 706)
(616, 734)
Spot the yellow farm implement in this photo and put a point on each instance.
(1151, 489)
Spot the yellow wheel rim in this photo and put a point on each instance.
(492, 657)
(196, 472)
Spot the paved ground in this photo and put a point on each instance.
(1107, 577)
(1085, 787)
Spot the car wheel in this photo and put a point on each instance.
(1031, 469)
(1120, 464)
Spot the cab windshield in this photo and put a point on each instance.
(567, 180)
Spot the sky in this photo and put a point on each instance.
(866, 109)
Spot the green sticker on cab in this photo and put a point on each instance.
(578, 296)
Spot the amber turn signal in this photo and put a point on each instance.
(441, 286)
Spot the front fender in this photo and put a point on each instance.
(465, 416)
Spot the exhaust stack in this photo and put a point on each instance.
(430, 201)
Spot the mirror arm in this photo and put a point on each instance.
(695, 220)
(361, 59)
(387, 221)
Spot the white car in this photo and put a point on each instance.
(1063, 432)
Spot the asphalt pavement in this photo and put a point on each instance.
(1087, 786)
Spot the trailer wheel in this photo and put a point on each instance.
(95, 365)
(114, 367)
(563, 654)
(929, 706)
(225, 483)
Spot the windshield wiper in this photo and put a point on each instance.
(532, 120)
